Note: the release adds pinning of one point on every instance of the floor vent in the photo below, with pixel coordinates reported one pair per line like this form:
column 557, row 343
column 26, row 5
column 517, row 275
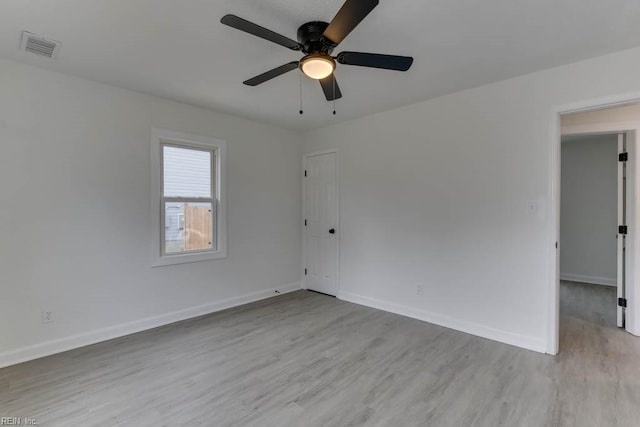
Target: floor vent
column 39, row 45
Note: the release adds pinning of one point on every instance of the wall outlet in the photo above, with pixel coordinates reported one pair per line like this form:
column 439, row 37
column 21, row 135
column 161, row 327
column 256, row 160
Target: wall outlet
column 47, row 316
column 419, row 290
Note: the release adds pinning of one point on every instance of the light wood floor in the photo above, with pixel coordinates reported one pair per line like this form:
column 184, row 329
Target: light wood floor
column 306, row 359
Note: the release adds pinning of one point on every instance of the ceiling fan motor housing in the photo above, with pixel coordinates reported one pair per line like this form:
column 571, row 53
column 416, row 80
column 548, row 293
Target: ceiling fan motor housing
column 310, row 37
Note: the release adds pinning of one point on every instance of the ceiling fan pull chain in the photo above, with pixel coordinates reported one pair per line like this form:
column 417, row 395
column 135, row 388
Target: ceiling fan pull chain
column 334, row 94
column 301, row 111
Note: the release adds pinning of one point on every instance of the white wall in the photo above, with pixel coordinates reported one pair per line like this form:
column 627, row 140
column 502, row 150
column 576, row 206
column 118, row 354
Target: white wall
column 589, row 217
column 75, row 213
column 455, row 194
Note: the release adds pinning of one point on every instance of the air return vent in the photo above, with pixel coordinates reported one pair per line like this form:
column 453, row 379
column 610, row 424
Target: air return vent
column 39, row 45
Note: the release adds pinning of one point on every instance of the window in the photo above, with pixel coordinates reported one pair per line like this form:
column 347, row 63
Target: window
column 189, row 203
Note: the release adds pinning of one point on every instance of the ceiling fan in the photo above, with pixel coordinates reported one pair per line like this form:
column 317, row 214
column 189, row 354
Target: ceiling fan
column 317, row 40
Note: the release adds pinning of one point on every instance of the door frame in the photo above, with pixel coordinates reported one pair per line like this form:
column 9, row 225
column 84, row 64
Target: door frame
column 305, row 158
column 623, row 192
column 633, row 169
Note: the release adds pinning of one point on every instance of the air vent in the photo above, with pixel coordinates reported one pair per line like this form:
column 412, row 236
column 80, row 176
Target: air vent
column 39, row 45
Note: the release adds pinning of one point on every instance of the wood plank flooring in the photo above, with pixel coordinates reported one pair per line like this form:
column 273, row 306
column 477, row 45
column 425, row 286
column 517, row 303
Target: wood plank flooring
column 305, row 359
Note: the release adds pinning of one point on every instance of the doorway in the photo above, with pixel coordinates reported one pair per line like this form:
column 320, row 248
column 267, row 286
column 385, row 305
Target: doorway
column 320, row 210
column 620, row 116
column 593, row 200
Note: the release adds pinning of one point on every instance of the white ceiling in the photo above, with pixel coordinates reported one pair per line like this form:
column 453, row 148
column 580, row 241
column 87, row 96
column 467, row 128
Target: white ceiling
column 179, row 49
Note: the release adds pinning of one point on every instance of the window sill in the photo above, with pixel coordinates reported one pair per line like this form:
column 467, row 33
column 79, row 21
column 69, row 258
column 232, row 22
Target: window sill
column 188, row 258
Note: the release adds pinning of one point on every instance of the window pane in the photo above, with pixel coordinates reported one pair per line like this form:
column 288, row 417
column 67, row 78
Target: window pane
column 188, row 227
column 187, row 172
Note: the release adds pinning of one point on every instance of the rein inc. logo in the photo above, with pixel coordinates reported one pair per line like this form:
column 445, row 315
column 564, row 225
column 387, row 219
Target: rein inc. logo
column 18, row 421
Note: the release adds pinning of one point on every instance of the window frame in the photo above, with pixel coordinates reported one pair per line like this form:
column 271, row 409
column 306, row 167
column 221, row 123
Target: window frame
column 218, row 148
column 180, row 199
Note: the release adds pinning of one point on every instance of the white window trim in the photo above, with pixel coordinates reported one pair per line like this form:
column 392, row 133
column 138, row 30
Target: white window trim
column 163, row 136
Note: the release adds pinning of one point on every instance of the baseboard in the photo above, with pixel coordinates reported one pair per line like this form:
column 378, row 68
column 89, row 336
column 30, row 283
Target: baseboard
column 589, row 279
column 523, row 341
column 48, row 348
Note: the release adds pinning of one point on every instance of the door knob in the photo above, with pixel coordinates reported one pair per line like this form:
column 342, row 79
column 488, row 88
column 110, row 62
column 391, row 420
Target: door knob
column 332, row 231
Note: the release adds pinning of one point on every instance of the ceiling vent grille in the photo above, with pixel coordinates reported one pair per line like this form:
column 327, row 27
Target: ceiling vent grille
column 39, row 45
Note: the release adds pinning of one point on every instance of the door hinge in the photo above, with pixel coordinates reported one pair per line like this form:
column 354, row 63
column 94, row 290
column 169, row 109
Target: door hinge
column 305, row 222
column 622, row 302
column 556, row 245
column 622, row 229
column 305, row 271
column 623, row 157
column 305, row 173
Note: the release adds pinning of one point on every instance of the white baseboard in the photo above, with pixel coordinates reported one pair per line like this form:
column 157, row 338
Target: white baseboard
column 48, row 348
column 607, row 281
column 523, row 341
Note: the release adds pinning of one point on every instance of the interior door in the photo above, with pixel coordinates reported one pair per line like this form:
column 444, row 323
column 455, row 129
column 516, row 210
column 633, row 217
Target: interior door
column 321, row 228
column 622, row 220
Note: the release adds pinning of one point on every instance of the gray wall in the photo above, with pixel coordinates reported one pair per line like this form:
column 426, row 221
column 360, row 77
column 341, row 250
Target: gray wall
column 75, row 212
column 589, row 209
column 474, row 231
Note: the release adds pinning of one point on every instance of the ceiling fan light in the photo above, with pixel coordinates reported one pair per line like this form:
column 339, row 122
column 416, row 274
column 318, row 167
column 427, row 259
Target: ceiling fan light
column 317, row 66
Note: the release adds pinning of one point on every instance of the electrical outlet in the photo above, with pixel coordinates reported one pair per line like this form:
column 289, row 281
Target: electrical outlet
column 419, row 290
column 47, row 316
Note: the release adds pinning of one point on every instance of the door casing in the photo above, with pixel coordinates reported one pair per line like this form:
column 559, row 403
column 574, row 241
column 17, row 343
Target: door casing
column 633, row 238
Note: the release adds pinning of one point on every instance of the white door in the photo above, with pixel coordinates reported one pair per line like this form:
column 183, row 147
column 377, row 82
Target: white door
column 321, row 227
column 622, row 220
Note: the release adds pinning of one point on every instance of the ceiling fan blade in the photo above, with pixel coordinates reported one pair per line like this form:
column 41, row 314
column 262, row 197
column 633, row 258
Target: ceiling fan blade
column 376, row 60
column 347, row 18
column 251, row 28
column 331, row 88
column 278, row 71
